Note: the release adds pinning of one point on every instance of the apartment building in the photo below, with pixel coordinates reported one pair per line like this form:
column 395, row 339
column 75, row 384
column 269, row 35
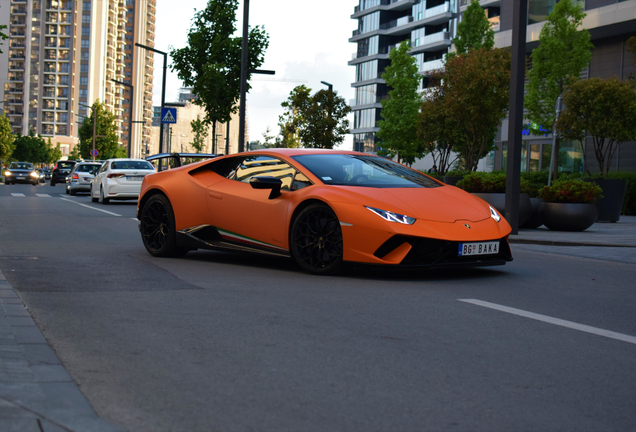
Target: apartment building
column 430, row 26
column 64, row 54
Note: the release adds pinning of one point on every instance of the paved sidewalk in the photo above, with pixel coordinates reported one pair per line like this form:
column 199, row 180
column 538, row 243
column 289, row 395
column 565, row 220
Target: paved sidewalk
column 36, row 392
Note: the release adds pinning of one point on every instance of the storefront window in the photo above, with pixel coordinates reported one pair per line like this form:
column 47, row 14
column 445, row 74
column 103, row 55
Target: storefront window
column 534, row 158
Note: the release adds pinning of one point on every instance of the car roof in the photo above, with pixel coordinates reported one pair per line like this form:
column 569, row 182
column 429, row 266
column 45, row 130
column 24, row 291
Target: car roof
column 299, row 151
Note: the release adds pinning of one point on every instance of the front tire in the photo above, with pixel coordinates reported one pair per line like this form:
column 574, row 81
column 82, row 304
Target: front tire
column 101, row 196
column 52, row 182
column 158, row 229
column 316, row 240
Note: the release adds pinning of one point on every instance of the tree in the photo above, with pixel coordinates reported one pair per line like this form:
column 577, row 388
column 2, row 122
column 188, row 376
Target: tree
column 438, row 131
column 269, row 140
column 211, row 63
column 3, row 36
column 602, row 109
column 55, row 153
column 398, row 129
column 474, row 31
column 6, row 139
column 200, row 130
column 474, row 89
column 31, row 148
column 106, row 140
column 562, row 54
column 74, row 155
column 317, row 121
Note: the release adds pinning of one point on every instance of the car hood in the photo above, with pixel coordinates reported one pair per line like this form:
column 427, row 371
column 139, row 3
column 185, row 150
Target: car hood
column 440, row 204
column 20, row 170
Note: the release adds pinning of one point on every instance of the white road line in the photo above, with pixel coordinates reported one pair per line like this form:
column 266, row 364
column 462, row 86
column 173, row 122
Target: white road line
column 90, row 207
column 135, row 219
column 43, row 195
column 17, row 194
column 555, row 321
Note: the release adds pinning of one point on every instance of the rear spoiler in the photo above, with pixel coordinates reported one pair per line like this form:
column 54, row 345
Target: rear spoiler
column 176, row 157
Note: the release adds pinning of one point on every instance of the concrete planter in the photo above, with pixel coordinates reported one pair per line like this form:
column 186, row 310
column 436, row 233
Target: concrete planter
column 534, row 221
column 498, row 201
column 609, row 207
column 568, row 216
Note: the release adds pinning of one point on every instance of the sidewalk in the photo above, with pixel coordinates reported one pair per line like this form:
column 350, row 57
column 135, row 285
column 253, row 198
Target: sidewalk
column 36, row 392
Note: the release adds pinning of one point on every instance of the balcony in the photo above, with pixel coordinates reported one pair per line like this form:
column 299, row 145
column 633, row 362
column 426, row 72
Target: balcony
column 430, row 41
column 431, row 65
column 495, row 23
column 18, row 10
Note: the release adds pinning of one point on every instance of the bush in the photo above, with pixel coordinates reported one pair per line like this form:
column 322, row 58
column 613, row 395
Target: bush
column 457, row 173
column 571, row 191
column 492, row 182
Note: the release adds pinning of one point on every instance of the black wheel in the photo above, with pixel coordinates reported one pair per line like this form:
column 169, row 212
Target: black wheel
column 101, row 196
column 52, row 182
column 157, row 228
column 72, row 192
column 68, row 191
column 316, row 240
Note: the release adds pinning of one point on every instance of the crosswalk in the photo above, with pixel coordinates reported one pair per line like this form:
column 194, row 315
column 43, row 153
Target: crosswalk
column 37, row 195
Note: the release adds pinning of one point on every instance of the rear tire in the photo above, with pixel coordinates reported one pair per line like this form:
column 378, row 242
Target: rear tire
column 101, row 196
column 315, row 240
column 158, row 230
column 72, row 192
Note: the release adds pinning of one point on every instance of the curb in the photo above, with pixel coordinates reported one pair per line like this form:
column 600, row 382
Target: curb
column 36, row 391
column 563, row 243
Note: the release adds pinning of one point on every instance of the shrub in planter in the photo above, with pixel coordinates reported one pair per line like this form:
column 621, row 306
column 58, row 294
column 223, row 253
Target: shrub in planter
column 569, row 205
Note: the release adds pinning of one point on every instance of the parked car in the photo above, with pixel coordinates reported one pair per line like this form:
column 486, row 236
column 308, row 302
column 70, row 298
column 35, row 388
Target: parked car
column 119, row 179
column 47, row 173
column 81, row 176
column 21, row 172
column 41, row 175
column 61, row 171
column 321, row 208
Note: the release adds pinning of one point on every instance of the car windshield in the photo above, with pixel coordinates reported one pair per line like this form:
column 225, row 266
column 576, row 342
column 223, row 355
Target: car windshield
column 88, row 168
column 20, row 165
column 127, row 164
column 65, row 165
column 361, row 170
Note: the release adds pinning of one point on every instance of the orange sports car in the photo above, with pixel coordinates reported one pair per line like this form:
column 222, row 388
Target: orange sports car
column 320, row 207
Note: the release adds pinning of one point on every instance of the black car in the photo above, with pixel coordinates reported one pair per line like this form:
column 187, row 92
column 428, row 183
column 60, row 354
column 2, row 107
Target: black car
column 61, row 170
column 21, row 172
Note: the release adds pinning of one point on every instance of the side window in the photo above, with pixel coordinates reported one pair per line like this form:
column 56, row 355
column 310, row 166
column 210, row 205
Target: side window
column 265, row 166
column 300, row 181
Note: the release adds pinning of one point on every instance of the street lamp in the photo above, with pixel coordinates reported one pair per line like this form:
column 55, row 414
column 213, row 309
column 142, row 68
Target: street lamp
column 163, row 86
column 130, row 114
column 328, row 85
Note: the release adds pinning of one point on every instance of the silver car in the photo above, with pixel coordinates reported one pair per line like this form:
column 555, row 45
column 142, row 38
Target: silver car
column 80, row 177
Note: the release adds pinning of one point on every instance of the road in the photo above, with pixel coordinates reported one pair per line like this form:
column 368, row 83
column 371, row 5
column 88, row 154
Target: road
column 222, row 342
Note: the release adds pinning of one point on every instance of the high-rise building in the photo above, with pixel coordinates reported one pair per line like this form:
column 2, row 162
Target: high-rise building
column 64, row 54
column 430, row 26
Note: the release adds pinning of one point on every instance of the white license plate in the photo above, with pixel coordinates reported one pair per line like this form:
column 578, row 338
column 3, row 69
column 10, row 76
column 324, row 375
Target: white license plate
column 481, row 248
column 135, row 178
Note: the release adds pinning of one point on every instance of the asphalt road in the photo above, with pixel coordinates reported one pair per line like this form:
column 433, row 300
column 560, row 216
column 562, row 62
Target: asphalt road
column 222, row 342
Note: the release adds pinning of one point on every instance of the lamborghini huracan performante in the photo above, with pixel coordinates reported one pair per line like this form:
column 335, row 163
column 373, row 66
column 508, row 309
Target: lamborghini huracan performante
column 320, row 207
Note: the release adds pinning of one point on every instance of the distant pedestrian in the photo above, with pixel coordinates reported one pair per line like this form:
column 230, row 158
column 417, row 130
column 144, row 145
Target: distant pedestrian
column 433, row 170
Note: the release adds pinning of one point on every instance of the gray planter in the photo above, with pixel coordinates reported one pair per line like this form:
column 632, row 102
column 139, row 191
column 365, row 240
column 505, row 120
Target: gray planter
column 498, row 201
column 609, row 207
column 534, row 221
column 568, row 216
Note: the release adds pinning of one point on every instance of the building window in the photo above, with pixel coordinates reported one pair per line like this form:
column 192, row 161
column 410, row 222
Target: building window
column 85, row 43
column 367, row 70
column 83, row 93
column 84, row 68
column 47, row 129
column 86, row 31
column 83, row 80
column 86, row 18
column 366, row 94
column 84, row 55
column 62, row 79
column 364, row 118
column 61, row 130
column 87, row 6
column 63, row 67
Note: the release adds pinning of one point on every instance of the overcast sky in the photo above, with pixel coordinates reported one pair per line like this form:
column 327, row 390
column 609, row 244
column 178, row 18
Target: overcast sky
column 308, row 44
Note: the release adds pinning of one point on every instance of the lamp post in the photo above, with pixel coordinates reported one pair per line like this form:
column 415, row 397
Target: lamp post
column 163, row 86
column 330, row 87
column 130, row 114
column 141, row 142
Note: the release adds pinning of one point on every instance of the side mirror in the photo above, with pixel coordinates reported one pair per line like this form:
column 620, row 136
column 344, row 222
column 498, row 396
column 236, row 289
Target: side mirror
column 267, row 182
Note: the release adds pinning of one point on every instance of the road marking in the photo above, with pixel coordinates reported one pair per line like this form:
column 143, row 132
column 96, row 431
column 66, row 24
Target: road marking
column 555, row 321
column 43, row 195
column 91, row 207
column 17, row 194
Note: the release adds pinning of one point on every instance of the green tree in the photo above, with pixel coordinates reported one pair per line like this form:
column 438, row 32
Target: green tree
column 106, row 141
column 31, row 148
column 74, row 155
column 474, row 31
column 438, row 130
column 211, row 62
column 398, row 129
column 562, row 54
column 55, row 153
column 200, row 130
column 474, row 89
column 269, row 140
column 317, row 121
column 3, row 36
column 602, row 109
column 6, row 139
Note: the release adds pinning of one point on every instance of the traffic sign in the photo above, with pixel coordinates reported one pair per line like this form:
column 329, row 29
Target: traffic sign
column 94, row 152
column 168, row 115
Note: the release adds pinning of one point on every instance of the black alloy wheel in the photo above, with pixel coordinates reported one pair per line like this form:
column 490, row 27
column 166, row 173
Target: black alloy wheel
column 316, row 240
column 157, row 227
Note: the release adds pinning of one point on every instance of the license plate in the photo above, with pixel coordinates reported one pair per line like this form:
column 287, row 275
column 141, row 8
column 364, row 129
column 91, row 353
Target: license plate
column 20, row 176
column 481, row 248
column 135, row 178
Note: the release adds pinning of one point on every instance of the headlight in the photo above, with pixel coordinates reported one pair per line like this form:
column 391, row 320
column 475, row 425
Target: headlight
column 494, row 214
column 7, row 172
column 34, row 174
column 393, row 217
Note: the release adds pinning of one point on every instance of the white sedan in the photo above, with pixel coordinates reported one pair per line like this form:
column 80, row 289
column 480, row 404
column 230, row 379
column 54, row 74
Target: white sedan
column 119, row 179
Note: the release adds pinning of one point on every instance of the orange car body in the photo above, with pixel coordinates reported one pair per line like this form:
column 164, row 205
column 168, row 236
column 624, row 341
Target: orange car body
column 246, row 216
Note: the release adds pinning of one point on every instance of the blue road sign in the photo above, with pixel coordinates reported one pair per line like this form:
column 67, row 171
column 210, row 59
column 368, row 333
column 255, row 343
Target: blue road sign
column 168, row 115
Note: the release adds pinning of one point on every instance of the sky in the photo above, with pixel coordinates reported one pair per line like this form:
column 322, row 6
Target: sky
column 308, row 43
